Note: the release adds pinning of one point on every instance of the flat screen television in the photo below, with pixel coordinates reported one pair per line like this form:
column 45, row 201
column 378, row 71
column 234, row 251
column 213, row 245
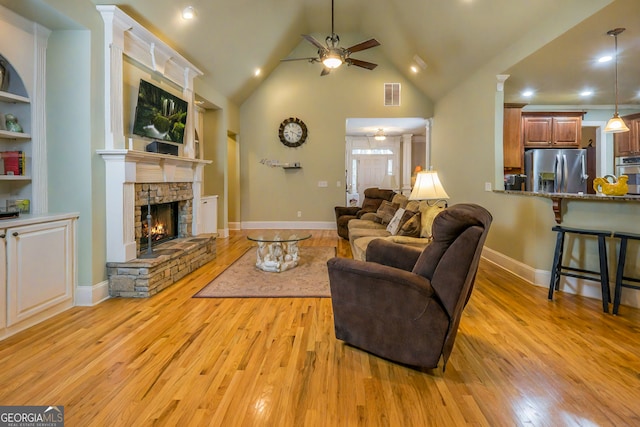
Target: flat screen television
column 159, row 115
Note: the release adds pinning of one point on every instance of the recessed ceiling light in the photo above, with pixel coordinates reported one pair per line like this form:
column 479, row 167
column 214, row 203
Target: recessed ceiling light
column 257, row 72
column 527, row 93
column 188, row 12
column 586, row 93
column 605, row 58
column 414, row 69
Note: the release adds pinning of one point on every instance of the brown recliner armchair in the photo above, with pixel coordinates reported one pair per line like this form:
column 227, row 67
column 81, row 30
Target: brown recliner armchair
column 373, row 198
column 405, row 304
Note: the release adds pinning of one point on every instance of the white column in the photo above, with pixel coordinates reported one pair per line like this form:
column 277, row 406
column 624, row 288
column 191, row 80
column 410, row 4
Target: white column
column 120, row 199
column 39, row 183
column 405, row 185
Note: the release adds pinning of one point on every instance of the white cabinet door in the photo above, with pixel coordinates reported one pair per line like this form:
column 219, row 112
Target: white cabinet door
column 3, row 279
column 209, row 214
column 39, row 268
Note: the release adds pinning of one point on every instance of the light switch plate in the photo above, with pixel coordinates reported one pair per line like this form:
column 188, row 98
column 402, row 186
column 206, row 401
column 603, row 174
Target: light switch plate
column 487, row 186
column 323, row 184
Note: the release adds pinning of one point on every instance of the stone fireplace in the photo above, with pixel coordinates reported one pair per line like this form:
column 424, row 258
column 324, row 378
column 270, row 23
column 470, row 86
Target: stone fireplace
column 171, row 212
column 136, row 179
column 158, row 224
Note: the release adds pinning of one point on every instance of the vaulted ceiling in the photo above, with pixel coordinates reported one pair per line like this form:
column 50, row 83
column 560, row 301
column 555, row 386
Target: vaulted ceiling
column 228, row 40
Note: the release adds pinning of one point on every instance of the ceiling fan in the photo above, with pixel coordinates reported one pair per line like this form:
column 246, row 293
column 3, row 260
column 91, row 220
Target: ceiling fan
column 331, row 55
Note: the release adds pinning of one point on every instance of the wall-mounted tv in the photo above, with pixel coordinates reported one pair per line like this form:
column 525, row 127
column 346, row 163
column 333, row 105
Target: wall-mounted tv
column 159, row 114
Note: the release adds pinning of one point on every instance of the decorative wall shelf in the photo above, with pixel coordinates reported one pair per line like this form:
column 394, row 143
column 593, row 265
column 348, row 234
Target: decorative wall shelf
column 278, row 164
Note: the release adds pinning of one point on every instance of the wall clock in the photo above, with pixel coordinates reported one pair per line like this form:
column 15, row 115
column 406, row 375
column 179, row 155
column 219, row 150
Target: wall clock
column 292, row 132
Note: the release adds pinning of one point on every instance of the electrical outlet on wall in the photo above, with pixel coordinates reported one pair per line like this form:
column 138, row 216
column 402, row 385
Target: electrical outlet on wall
column 299, row 214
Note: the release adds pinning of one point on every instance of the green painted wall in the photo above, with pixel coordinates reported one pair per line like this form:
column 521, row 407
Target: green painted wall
column 467, row 147
column 295, row 89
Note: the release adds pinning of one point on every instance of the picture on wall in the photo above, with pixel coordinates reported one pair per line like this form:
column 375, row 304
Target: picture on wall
column 159, row 114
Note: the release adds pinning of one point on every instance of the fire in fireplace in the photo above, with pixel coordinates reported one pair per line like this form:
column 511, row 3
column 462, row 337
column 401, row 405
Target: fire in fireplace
column 163, row 225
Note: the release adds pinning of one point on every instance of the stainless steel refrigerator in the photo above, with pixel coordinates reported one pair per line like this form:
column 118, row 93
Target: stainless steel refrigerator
column 556, row 170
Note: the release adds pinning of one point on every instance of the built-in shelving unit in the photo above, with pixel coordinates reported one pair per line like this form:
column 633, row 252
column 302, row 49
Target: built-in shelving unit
column 15, row 186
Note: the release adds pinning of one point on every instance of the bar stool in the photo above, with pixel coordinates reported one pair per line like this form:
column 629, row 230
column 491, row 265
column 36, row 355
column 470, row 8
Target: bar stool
column 559, row 269
column 622, row 281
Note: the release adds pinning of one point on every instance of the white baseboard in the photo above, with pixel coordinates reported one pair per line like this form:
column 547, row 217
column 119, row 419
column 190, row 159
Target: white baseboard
column 570, row 285
column 289, row 225
column 92, row 295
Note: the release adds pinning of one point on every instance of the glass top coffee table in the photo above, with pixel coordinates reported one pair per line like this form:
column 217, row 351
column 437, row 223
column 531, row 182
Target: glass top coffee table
column 277, row 249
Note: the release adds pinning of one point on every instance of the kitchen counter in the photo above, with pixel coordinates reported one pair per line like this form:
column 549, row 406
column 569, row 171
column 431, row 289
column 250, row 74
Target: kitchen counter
column 557, row 199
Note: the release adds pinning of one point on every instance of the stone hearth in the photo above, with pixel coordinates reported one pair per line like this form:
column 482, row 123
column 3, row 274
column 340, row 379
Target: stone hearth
column 144, row 277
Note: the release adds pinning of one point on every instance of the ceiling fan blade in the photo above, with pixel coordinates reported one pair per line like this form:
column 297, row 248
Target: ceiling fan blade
column 325, row 71
column 364, row 45
column 359, row 63
column 314, row 42
column 310, row 59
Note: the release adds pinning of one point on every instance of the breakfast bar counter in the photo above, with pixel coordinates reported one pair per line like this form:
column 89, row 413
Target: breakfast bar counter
column 557, row 199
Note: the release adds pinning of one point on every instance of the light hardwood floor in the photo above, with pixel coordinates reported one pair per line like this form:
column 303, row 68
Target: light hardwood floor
column 180, row 361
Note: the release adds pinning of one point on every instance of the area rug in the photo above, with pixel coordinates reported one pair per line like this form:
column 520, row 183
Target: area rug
column 243, row 279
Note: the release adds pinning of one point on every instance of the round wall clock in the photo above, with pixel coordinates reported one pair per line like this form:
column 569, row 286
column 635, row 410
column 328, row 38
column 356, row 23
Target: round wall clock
column 292, row 132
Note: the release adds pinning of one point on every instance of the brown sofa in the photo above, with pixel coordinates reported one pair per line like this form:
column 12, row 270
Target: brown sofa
column 404, row 304
column 371, row 226
column 373, row 198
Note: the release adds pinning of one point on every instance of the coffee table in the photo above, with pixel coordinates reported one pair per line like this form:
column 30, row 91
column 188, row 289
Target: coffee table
column 277, row 249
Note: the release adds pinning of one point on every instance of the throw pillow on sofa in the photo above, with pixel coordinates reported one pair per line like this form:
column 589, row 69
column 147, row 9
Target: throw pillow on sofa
column 386, row 211
column 399, row 220
column 411, row 228
column 427, row 215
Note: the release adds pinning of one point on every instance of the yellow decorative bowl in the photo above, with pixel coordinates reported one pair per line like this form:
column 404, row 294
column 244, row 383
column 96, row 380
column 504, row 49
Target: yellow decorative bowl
column 609, row 185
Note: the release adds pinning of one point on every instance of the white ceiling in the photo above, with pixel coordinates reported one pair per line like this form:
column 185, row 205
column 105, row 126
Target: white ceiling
column 229, row 39
column 562, row 69
column 390, row 126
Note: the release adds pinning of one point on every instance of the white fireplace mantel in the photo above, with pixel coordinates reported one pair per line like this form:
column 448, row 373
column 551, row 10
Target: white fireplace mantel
column 124, row 169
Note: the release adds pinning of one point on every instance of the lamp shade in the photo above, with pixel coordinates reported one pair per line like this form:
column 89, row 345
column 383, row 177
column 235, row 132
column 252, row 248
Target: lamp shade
column 389, row 182
column 616, row 125
column 428, row 187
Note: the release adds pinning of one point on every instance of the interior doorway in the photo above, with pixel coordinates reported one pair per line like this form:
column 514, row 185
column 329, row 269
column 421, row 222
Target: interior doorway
column 383, row 153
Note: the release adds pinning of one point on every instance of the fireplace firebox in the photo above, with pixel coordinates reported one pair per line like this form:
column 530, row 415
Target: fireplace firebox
column 163, row 226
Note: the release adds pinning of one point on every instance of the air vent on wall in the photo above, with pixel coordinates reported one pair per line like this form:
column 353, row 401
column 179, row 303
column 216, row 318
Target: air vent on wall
column 392, row 94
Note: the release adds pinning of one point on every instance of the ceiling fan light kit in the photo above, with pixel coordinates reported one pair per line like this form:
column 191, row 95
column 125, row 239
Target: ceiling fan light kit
column 332, row 56
column 616, row 124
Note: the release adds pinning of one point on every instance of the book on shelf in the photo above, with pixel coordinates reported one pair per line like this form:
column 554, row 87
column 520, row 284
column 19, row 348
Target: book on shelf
column 13, row 162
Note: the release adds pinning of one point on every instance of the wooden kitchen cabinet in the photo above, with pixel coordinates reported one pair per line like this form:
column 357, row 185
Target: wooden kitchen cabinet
column 628, row 143
column 556, row 130
column 512, row 137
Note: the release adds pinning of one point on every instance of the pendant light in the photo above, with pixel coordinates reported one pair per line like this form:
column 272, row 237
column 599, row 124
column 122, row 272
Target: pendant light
column 616, row 124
